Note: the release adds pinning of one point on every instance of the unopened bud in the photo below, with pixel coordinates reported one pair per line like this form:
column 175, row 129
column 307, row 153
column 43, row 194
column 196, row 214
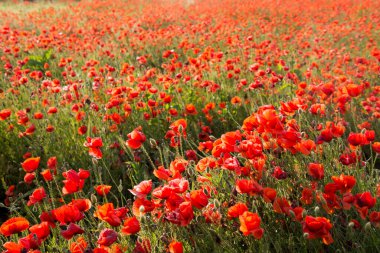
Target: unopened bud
column 306, row 235
column 142, row 209
column 213, row 138
column 351, row 224
column 316, row 210
column 94, row 161
column 93, row 199
column 292, row 214
column 153, row 143
column 367, row 226
column 120, row 187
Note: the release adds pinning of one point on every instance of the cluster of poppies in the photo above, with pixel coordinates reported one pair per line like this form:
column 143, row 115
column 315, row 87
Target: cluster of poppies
column 154, row 126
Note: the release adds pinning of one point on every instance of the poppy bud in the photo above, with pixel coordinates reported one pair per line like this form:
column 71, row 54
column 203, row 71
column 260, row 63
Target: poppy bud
column 153, row 143
column 120, row 187
column 93, row 199
column 316, row 210
column 367, row 226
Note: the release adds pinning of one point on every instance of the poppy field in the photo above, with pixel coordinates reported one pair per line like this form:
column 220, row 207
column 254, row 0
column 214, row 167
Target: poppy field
column 190, row 126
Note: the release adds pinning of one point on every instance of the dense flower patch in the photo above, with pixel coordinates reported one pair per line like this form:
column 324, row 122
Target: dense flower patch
column 190, row 126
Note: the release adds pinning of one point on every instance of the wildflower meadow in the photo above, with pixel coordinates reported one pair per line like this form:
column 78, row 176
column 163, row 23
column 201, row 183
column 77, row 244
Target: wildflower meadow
column 189, row 126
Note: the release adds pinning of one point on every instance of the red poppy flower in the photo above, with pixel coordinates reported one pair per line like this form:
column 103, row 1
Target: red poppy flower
column 12, row 247
column 79, row 246
column 191, row 110
column 5, row 113
column 52, row 110
column 136, row 138
column 363, row 202
column 250, row 224
column 175, row 247
column 178, row 166
column 82, row 130
column 236, row 210
column 318, row 227
column 94, row 145
column 179, row 185
column 107, row 237
column 102, row 189
column 307, row 196
column 14, row 226
column 354, row 90
column 198, row 198
column 49, row 218
column 316, row 170
column 347, row 159
column 29, row 177
column 248, row 186
column 109, row 214
column 142, row 206
column 376, row 147
column 82, row 204
column 142, row 189
column 279, row 174
column 67, row 214
column 162, row 173
column 31, row 242
column 131, row 226
column 356, row 139
column 37, row 196
column 269, row 194
column 143, row 246
column 52, row 163
column 374, row 217
column 186, row 213
column 74, row 180
column 46, row 174
column 71, row 230
column 179, row 127
column 281, row 205
column 31, row 164
column 344, row 183
column 42, row 230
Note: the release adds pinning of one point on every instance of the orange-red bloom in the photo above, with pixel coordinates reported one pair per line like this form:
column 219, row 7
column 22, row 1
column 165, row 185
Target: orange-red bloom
column 102, row 189
column 37, row 196
column 31, row 164
column 136, row 138
column 107, row 237
column 74, row 180
column 94, row 145
column 14, row 226
column 250, row 224
column 236, row 210
column 42, row 230
column 198, row 198
column 109, row 214
column 131, row 226
column 175, row 247
column 363, row 202
column 79, row 246
column 318, row 227
column 142, row 189
column 316, row 170
column 5, row 113
column 67, row 214
column 71, row 230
